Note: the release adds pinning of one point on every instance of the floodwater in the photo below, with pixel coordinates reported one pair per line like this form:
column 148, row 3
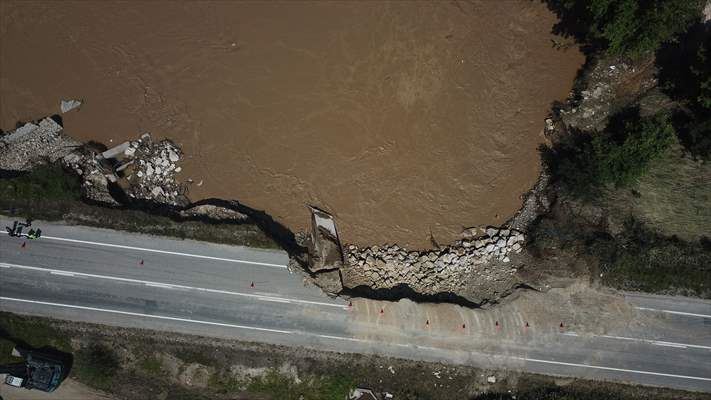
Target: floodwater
column 404, row 119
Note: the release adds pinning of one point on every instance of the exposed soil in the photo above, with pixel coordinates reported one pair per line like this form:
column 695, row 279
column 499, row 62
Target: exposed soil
column 401, row 118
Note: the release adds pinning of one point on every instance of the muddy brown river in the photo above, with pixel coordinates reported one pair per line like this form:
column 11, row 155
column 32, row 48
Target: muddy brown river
column 404, row 119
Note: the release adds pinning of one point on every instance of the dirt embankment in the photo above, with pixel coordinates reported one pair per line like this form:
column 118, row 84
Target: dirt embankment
column 403, row 119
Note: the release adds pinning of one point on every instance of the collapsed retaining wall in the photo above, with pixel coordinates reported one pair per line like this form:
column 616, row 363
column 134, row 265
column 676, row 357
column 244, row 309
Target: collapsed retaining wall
column 479, row 269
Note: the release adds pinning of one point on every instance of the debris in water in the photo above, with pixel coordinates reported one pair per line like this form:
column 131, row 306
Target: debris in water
column 69, row 105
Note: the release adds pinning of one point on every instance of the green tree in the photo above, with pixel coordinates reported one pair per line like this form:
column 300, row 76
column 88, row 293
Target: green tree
column 625, row 27
column 617, row 156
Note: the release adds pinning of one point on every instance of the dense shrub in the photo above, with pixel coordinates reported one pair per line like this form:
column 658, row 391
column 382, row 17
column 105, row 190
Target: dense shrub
column 625, row 27
column 96, row 365
column 617, row 156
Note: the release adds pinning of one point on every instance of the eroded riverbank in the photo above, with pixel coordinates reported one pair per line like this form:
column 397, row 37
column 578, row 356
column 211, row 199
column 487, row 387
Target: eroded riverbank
column 403, row 119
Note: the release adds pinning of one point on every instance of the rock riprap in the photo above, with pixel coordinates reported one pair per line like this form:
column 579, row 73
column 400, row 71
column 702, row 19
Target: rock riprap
column 479, row 268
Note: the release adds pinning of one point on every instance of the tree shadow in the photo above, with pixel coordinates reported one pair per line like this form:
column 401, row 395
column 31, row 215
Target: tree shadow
column 684, row 66
column 573, row 22
column 677, row 60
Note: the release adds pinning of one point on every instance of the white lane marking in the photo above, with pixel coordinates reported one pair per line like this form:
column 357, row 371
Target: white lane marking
column 62, row 273
column 174, row 253
column 160, row 285
column 341, row 338
column 659, row 342
column 649, row 341
column 135, row 314
column 669, row 345
column 675, row 312
column 428, row 348
column 176, row 286
column 632, row 371
column 4, row 266
column 275, row 299
column 195, row 321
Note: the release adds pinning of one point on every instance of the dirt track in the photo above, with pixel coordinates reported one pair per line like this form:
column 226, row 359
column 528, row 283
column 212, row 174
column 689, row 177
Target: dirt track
column 401, row 118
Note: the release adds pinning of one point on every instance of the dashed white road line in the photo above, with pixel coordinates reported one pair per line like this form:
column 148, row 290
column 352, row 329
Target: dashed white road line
column 135, row 314
column 688, row 314
column 659, row 342
column 350, row 339
column 174, row 253
column 174, row 286
column 287, row 332
column 648, row 341
column 160, row 285
column 62, row 273
column 631, row 371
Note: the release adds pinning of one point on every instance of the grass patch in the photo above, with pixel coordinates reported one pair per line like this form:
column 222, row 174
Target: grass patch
column 649, row 262
column 673, row 198
column 281, row 387
column 226, row 384
column 194, row 356
column 638, row 258
column 48, row 182
column 52, row 194
column 539, row 387
column 34, row 332
column 151, row 365
column 96, row 366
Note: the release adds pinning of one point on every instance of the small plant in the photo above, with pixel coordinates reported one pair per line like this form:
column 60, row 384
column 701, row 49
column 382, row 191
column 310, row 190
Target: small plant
column 151, row 365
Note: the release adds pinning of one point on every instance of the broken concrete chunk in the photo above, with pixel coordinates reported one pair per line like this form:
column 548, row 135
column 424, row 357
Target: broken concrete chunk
column 325, row 250
column 69, row 105
column 116, row 150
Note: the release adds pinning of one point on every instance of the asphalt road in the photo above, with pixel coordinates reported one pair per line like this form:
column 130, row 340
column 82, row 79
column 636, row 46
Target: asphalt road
column 131, row 280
